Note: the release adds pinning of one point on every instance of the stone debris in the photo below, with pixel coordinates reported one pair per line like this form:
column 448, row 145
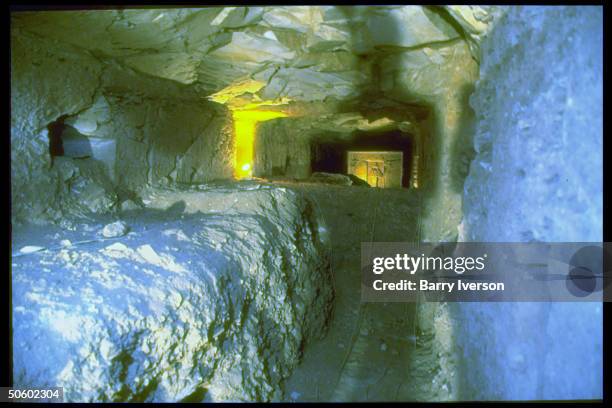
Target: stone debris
column 357, row 181
column 28, row 249
column 115, row 229
column 149, row 254
column 117, row 247
column 331, row 178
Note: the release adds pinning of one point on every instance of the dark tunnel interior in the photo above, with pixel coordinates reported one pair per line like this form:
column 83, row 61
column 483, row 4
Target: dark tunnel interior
column 55, row 130
column 331, row 156
column 211, row 203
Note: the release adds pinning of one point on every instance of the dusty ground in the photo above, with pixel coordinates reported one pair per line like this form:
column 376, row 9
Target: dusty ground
column 368, row 353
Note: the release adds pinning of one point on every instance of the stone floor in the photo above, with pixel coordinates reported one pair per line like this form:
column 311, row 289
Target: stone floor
column 368, row 350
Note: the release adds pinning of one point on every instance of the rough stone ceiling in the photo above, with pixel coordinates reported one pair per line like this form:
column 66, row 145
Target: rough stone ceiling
column 303, row 53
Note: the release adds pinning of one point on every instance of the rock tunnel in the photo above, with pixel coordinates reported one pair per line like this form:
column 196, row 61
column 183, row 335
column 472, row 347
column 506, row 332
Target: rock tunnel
column 190, row 188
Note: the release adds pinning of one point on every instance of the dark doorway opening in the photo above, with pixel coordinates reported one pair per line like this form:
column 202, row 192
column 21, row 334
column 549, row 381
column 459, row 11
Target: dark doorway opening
column 65, row 140
column 54, row 133
column 329, row 152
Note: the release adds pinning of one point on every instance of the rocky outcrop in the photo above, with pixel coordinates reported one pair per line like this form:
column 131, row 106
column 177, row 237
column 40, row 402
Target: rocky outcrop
column 192, row 306
column 331, row 178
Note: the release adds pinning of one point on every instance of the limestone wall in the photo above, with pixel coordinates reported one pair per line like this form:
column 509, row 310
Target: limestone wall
column 537, row 175
column 163, row 132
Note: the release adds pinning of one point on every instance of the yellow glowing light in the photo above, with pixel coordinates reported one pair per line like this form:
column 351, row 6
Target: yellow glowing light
column 245, row 127
column 242, row 99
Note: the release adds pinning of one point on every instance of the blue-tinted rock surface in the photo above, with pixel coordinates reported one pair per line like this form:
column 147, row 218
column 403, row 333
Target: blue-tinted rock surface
column 537, row 175
column 214, row 306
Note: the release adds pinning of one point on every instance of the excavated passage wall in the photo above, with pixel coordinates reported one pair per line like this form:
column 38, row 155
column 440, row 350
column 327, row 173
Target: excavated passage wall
column 213, row 303
column 537, row 175
column 282, row 148
column 162, row 131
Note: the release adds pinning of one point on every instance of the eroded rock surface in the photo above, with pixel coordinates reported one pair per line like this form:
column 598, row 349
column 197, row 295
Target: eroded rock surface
column 302, row 52
column 209, row 306
column 139, row 82
column 536, row 176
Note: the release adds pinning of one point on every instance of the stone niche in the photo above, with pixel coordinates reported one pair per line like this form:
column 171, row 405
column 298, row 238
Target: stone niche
column 78, row 146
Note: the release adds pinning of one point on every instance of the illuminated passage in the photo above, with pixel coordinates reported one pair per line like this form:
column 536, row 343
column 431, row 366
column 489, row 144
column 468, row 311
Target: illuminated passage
column 245, row 126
